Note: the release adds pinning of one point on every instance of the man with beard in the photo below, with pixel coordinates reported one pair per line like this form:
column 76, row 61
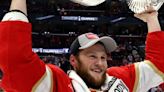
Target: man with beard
column 24, row 71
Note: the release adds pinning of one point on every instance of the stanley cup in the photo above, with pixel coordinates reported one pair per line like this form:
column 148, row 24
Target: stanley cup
column 140, row 6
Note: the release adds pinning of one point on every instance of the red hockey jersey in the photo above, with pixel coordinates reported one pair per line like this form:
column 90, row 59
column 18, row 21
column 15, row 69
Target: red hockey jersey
column 24, row 71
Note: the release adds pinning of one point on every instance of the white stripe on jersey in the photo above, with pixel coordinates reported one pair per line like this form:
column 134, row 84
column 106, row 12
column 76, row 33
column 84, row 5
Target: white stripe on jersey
column 45, row 83
column 147, row 76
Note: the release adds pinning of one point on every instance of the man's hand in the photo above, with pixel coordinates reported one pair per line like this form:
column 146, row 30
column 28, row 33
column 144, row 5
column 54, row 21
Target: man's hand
column 151, row 18
column 148, row 15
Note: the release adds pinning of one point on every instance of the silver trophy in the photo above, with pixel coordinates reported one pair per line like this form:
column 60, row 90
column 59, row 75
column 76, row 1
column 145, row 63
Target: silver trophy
column 88, row 2
column 140, row 6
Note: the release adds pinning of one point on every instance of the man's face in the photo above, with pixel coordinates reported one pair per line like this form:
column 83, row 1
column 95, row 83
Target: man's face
column 92, row 65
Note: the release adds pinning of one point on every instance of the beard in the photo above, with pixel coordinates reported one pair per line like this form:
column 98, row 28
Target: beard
column 88, row 78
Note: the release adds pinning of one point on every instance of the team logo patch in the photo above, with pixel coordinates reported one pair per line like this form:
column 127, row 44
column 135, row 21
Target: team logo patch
column 91, row 36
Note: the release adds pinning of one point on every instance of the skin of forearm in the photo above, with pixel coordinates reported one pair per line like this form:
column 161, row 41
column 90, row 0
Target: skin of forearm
column 153, row 24
column 19, row 5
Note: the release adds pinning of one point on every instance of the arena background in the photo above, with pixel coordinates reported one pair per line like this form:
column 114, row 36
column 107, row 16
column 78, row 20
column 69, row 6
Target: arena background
column 56, row 23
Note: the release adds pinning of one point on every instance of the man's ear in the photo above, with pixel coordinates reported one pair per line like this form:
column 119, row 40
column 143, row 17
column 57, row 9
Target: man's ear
column 73, row 61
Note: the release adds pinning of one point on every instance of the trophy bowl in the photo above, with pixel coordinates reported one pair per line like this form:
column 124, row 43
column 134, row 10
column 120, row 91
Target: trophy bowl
column 140, row 6
column 88, row 2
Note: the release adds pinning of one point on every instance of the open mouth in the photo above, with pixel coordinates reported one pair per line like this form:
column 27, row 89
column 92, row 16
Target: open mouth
column 97, row 70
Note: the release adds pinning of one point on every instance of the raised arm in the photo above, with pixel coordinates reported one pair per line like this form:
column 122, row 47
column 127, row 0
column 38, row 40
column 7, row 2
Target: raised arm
column 154, row 42
column 141, row 76
column 150, row 73
column 22, row 68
